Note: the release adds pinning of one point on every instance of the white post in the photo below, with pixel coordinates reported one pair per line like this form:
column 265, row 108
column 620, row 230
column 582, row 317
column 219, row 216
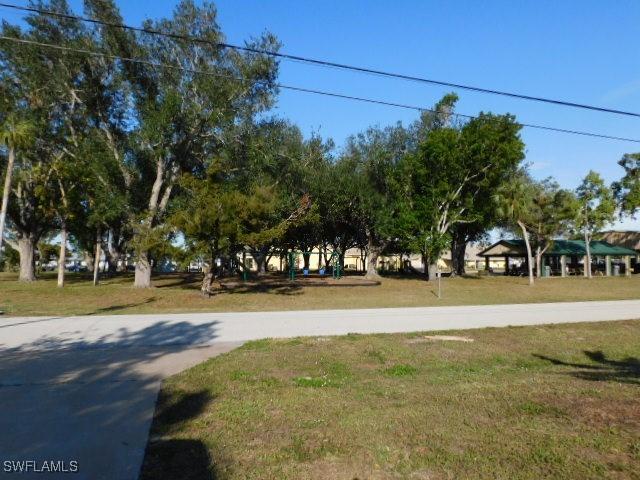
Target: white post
column 563, row 265
column 627, row 266
column 607, row 265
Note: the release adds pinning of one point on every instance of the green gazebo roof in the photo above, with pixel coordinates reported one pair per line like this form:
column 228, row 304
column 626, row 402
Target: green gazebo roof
column 559, row 247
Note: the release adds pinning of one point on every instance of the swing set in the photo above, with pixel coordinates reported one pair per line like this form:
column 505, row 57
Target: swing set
column 334, row 262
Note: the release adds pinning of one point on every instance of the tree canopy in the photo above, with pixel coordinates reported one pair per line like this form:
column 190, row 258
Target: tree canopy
column 180, row 154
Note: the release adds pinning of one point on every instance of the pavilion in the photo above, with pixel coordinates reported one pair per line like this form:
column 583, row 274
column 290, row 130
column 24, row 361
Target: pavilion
column 564, row 257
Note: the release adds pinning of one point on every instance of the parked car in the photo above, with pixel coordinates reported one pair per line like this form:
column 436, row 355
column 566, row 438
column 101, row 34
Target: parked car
column 76, row 268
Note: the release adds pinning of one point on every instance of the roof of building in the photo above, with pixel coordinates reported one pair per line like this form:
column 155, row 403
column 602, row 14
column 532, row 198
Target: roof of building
column 622, row 238
column 559, row 247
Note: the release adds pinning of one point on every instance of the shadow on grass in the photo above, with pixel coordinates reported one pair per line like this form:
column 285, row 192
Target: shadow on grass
column 115, row 308
column 282, row 285
column 188, row 281
column 279, row 288
column 602, row 369
column 177, row 458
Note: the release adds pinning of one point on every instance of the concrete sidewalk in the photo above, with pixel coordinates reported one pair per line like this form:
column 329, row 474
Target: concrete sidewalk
column 192, row 329
column 84, row 388
column 92, row 406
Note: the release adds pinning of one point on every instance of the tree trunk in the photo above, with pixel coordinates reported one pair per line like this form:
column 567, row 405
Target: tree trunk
column 306, row 257
column 261, row 261
column 207, row 280
column 587, row 267
column 538, row 262
column 106, row 265
column 525, row 235
column 112, row 254
column 114, row 261
column 326, row 256
column 122, row 264
column 5, row 194
column 373, row 252
column 433, row 270
column 143, row 271
column 88, row 260
column 96, row 260
column 458, row 250
column 62, row 258
column 26, row 249
column 262, row 266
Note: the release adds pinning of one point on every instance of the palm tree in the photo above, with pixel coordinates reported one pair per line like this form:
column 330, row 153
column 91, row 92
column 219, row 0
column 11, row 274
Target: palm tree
column 14, row 134
column 515, row 204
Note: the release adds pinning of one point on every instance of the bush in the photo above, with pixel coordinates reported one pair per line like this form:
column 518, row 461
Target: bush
column 9, row 259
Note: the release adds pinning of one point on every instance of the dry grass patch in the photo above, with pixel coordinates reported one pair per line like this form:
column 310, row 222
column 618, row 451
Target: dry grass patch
column 520, row 403
column 175, row 293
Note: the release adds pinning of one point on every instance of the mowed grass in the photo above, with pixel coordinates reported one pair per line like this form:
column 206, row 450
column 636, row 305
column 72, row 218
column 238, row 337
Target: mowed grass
column 180, row 293
column 518, row 403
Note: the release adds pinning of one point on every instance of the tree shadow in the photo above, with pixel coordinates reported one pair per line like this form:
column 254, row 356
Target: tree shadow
column 173, row 459
column 92, row 401
column 602, row 369
column 185, row 281
column 115, row 308
column 177, row 458
column 282, row 285
column 280, row 288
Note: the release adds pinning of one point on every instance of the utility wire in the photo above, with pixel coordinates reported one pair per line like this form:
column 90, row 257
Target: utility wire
column 325, row 63
column 295, row 88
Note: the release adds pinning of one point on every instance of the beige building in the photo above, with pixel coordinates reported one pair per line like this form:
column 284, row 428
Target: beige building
column 627, row 239
column 355, row 261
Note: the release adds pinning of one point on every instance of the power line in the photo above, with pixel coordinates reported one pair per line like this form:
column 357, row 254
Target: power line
column 326, row 63
column 296, row 88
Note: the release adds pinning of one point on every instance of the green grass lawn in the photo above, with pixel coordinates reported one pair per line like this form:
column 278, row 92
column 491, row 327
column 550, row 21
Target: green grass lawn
column 180, row 293
column 516, row 403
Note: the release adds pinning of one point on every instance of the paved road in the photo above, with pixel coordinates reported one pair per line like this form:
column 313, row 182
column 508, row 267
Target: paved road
column 84, row 388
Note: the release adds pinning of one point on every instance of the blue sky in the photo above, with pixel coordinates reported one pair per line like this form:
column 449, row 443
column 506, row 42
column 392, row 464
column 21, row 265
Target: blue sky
column 583, row 51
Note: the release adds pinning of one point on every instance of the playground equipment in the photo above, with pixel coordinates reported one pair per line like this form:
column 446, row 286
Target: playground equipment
column 334, row 262
column 293, row 262
column 336, row 268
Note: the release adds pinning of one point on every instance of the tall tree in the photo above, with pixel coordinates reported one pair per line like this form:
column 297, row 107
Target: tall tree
column 596, row 209
column 627, row 190
column 373, row 158
column 181, row 115
column 267, row 160
column 551, row 212
column 450, row 167
column 14, row 134
column 45, row 84
column 207, row 213
column 515, row 203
